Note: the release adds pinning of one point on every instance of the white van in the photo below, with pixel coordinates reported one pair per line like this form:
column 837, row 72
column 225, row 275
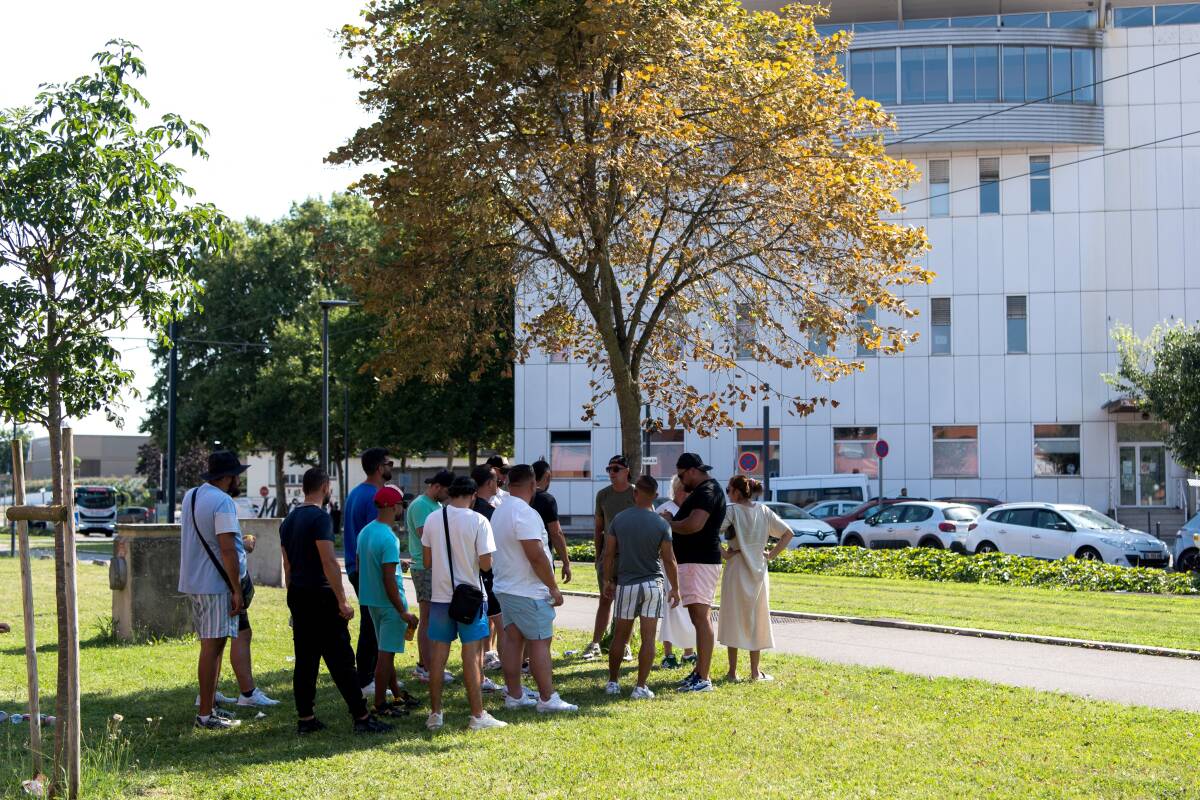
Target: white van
column 804, row 490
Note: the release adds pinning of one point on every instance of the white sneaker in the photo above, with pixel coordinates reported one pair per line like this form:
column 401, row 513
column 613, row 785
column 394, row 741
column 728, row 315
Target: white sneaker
column 488, row 685
column 555, row 704
column 591, row 651
column 531, row 693
column 258, row 698
column 434, row 721
column 447, row 677
column 369, row 691
column 421, row 674
column 485, row 721
column 491, row 661
column 612, row 688
column 641, row 693
column 524, row 701
column 628, row 655
column 220, row 700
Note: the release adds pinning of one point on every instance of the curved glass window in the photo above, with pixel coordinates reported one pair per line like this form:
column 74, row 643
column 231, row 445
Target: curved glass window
column 1133, row 17
column 1183, row 14
column 924, row 75
column 873, row 74
column 1023, row 20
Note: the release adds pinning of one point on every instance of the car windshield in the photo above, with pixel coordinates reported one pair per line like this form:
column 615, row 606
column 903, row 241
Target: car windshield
column 788, row 511
column 961, row 513
column 95, row 498
column 1090, row 520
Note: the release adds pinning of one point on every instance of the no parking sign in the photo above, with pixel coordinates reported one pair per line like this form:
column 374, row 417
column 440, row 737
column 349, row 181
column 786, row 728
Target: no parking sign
column 748, row 462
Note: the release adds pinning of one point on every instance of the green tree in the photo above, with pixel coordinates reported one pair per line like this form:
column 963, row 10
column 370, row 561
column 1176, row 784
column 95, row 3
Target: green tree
column 92, row 233
column 1159, row 373
column 665, row 184
column 23, row 436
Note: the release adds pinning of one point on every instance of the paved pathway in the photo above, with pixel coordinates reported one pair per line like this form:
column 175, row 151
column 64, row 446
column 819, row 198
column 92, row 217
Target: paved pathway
column 1122, row 677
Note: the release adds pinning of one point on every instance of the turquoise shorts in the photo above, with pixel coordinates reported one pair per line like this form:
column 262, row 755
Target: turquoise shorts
column 445, row 630
column 389, row 628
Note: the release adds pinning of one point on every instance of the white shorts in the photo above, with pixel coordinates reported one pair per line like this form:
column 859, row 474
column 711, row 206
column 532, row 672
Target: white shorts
column 210, row 616
column 640, row 600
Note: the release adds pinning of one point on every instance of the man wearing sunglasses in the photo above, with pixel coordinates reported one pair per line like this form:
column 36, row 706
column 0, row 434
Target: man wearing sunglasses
column 360, row 512
column 610, row 501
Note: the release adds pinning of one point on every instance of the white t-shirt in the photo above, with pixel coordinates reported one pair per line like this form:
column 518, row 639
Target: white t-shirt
column 498, row 498
column 215, row 513
column 470, row 538
column 513, row 522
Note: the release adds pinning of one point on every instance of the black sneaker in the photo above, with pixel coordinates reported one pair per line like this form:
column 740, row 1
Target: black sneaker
column 223, row 714
column 408, row 701
column 390, row 710
column 692, row 659
column 686, row 684
column 371, row 725
column 306, row 726
column 215, row 723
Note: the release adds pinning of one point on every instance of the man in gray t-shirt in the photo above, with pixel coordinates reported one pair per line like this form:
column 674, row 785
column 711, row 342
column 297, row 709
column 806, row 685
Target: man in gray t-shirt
column 637, row 551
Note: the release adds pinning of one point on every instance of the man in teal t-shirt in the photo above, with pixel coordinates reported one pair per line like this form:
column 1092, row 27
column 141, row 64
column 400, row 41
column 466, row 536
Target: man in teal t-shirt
column 436, row 492
column 382, row 592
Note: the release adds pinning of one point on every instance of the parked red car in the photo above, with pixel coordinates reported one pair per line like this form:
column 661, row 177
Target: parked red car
column 839, row 523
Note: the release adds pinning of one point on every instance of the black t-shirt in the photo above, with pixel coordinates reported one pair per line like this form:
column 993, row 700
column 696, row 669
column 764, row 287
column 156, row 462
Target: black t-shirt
column 483, row 507
column 299, row 534
column 704, row 546
column 546, row 506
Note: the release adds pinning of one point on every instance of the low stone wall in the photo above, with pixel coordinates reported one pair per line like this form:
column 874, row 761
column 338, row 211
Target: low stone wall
column 144, row 577
column 265, row 564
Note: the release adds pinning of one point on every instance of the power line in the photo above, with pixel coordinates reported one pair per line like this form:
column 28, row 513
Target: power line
column 1103, row 154
column 1007, row 109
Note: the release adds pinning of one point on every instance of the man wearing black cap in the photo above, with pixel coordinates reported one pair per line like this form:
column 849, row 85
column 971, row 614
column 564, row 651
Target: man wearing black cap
column 610, row 501
column 436, row 493
column 695, row 530
column 211, row 556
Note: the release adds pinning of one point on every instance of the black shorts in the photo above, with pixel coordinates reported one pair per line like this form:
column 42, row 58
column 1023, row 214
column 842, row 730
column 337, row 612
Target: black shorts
column 493, row 602
column 243, row 622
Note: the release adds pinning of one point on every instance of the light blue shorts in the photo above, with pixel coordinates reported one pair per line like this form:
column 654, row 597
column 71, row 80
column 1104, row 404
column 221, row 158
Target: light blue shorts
column 533, row 618
column 389, row 628
column 445, row 630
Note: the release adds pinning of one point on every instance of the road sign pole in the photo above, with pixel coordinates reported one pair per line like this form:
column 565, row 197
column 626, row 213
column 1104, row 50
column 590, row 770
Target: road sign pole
column 880, row 461
column 766, row 459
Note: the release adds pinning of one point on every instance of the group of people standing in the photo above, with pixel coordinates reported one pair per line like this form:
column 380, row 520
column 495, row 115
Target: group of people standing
column 482, row 542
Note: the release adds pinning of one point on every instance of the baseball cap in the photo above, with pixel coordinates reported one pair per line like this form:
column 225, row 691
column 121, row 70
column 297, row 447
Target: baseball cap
column 388, row 496
column 443, row 477
column 499, row 462
column 619, row 459
column 692, row 461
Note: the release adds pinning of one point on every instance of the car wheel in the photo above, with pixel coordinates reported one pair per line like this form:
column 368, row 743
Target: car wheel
column 930, row 542
column 986, row 547
column 957, row 547
column 1189, row 561
column 852, row 541
column 1089, row 554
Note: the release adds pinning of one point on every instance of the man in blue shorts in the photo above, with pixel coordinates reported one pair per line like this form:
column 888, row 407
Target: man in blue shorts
column 457, row 544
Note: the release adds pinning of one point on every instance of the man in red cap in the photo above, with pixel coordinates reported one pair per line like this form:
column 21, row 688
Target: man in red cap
column 381, row 592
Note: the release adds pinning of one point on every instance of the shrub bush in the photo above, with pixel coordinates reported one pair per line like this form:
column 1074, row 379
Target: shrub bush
column 928, row 564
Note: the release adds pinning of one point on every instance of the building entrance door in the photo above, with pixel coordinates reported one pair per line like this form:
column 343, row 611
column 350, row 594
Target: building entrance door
column 1143, row 474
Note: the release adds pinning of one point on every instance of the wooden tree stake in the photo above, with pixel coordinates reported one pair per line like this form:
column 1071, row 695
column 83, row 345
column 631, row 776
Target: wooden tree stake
column 31, row 665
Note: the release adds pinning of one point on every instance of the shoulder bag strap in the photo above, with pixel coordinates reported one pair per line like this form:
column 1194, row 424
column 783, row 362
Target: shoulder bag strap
column 449, row 554
column 215, row 562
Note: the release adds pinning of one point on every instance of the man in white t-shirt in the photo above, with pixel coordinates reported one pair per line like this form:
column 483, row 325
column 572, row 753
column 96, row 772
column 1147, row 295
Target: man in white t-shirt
column 524, row 583
column 470, row 546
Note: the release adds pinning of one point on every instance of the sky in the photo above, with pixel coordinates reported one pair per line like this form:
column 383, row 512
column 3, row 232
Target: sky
column 266, row 77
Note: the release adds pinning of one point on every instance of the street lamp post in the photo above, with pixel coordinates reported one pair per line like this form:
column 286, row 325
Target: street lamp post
column 326, row 305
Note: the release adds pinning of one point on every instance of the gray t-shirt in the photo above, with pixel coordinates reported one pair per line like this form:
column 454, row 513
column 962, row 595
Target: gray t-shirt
column 639, row 533
column 215, row 513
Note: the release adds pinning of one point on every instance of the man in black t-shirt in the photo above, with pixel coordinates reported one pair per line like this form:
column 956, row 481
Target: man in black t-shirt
column 547, row 508
column 319, row 609
column 696, row 539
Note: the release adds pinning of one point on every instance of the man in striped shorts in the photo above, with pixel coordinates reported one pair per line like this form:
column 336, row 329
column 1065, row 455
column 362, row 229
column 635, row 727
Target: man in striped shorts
column 637, row 550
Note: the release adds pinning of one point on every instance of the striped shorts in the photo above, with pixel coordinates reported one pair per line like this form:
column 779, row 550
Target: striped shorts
column 640, row 600
column 210, row 616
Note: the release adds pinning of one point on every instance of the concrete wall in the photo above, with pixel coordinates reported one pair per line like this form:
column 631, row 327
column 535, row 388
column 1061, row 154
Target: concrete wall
column 265, row 564
column 149, row 603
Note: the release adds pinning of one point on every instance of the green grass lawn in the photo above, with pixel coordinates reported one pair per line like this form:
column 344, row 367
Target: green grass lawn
column 39, row 541
column 820, row 731
column 1159, row 620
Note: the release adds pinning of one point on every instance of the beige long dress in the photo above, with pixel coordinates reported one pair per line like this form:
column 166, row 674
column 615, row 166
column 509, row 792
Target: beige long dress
column 745, row 618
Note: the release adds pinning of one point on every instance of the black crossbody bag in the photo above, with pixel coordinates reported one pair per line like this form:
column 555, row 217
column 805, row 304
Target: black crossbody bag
column 247, row 586
column 466, row 604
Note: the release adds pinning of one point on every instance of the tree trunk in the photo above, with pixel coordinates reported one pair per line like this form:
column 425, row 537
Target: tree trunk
column 473, row 453
column 451, row 448
column 280, row 486
column 629, row 407
column 54, row 429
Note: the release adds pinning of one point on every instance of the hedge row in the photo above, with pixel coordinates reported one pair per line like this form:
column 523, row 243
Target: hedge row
column 928, row 564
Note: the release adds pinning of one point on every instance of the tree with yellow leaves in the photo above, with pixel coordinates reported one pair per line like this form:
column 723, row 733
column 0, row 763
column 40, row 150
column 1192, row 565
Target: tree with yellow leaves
column 660, row 183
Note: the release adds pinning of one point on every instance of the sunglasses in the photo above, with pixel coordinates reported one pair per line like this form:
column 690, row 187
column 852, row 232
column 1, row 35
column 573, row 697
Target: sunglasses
column 615, row 468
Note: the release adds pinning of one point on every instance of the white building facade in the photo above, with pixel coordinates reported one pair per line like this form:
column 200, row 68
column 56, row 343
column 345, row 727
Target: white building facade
column 1050, row 223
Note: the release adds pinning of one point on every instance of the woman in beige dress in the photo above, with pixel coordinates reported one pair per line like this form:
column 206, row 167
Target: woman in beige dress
column 745, row 619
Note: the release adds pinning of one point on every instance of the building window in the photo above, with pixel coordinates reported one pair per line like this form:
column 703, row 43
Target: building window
column 818, row 345
column 866, row 323
column 1182, row 14
column 571, row 454
column 924, row 75
column 1134, row 17
column 939, row 324
column 873, row 74
column 749, row 459
column 989, row 185
column 1072, row 19
column 854, row 451
column 558, row 357
column 955, row 451
column 976, row 74
column 744, row 331
column 1039, row 183
column 1055, row 450
column 1083, row 75
column 667, row 447
column 1018, row 327
column 939, row 187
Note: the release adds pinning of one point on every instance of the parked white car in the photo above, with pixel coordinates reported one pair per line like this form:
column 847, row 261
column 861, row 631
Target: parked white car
column 1056, row 530
column 832, row 508
column 913, row 524
column 1185, row 551
column 806, row 530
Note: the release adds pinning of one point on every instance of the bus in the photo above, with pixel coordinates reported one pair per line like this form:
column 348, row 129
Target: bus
column 804, row 490
column 96, row 509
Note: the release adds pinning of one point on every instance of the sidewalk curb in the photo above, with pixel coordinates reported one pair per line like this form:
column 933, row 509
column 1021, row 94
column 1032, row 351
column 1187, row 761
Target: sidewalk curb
column 981, row 633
